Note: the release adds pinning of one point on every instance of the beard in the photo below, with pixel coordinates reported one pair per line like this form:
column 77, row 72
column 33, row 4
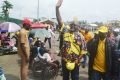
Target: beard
column 102, row 36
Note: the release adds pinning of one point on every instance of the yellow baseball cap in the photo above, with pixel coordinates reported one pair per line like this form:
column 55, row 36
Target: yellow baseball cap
column 103, row 29
column 70, row 66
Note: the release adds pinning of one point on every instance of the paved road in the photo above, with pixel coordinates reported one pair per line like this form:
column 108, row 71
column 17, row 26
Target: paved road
column 10, row 64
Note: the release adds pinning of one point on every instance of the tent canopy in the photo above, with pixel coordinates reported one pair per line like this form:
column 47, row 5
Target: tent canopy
column 38, row 25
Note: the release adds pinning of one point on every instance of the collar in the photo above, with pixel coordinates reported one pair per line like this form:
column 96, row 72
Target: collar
column 25, row 30
column 102, row 40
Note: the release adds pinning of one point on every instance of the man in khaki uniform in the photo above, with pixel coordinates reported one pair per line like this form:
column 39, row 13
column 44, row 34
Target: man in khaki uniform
column 24, row 48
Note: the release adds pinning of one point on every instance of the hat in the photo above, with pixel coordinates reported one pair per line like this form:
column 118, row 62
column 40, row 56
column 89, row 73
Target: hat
column 103, row 29
column 70, row 66
column 27, row 21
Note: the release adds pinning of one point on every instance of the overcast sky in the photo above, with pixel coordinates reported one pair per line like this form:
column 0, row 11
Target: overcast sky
column 91, row 10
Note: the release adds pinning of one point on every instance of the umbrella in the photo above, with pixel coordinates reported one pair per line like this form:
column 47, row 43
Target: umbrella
column 40, row 33
column 38, row 25
column 9, row 27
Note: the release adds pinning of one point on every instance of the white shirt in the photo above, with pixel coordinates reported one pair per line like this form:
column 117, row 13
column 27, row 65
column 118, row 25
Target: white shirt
column 49, row 33
column 45, row 56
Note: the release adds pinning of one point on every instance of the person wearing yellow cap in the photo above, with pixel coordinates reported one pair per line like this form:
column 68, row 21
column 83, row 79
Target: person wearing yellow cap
column 73, row 47
column 24, row 48
column 100, row 59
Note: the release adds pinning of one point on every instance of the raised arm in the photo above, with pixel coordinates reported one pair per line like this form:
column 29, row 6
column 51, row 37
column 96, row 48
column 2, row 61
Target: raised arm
column 58, row 16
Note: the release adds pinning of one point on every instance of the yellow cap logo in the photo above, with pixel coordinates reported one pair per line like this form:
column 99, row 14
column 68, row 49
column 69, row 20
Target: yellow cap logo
column 103, row 29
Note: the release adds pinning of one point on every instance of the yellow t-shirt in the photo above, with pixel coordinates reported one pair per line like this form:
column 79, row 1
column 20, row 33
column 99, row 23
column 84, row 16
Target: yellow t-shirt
column 23, row 38
column 99, row 61
column 88, row 36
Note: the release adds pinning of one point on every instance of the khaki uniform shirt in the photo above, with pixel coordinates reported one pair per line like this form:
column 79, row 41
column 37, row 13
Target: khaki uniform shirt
column 23, row 38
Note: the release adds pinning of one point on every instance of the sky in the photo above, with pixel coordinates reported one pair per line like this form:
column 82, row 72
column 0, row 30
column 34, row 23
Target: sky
column 90, row 10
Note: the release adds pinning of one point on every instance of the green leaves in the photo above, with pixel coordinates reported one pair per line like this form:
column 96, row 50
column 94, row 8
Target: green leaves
column 6, row 6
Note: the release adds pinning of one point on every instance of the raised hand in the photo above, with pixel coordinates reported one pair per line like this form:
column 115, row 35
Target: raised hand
column 58, row 16
column 59, row 3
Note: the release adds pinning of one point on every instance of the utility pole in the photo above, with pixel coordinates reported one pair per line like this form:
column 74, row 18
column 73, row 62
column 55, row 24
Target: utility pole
column 38, row 11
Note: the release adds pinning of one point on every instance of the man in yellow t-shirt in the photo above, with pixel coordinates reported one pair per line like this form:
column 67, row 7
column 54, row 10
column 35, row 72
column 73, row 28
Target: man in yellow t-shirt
column 100, row 61
column 24, row 48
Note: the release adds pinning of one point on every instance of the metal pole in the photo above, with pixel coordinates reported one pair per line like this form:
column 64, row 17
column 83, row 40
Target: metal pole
column 38, row 11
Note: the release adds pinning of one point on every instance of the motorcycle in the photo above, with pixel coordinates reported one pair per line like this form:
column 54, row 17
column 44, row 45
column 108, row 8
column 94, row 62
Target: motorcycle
column 6, row 49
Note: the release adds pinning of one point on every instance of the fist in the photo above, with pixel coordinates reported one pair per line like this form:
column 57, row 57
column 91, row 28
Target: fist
column 59, row 3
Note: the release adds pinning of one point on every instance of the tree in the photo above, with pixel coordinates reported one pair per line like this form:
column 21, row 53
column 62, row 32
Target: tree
column 99, row 23
column 83, row 23
column 6, row 6
column 35, row 20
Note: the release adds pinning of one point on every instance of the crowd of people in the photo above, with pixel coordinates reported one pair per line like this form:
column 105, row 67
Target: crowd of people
column 102, row 48
column 32, row 49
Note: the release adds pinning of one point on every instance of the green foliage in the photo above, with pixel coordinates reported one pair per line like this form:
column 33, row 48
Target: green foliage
column 4, row 16
column 35, row 20
column 17, row 21
column 6, row 6
column 99, row 23
column 2, row 19
column 83, row 23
